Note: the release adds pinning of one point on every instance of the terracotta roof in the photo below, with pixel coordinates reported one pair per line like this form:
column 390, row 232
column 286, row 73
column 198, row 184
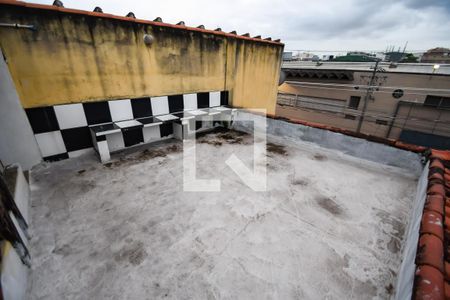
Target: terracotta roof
column 131, row 19
column 432, row 278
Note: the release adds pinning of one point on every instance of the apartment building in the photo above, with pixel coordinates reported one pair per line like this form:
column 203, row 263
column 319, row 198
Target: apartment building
column 406, row 102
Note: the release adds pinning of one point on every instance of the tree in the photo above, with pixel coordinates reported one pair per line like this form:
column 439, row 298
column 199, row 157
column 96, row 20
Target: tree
column 410, row 58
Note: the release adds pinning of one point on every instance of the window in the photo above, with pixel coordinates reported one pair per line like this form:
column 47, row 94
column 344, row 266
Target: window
column 350, row 117
column 354, row 102
column 381, row 122
column 437, row 101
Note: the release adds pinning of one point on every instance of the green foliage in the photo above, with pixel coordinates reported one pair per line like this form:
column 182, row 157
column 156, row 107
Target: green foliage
column 410, row 58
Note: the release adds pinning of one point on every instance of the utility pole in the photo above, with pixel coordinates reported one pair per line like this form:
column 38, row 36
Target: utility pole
column 366, row 97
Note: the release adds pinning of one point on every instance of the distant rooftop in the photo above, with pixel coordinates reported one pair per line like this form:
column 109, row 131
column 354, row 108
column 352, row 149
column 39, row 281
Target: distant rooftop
column 419, row 68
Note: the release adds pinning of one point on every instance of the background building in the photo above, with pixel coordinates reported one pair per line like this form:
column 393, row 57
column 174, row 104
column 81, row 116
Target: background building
column 437, row 55
column 407, row 102
column 356, row 57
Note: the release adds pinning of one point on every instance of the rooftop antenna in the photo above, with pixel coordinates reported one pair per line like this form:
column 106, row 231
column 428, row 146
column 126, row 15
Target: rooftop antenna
column 404, row 49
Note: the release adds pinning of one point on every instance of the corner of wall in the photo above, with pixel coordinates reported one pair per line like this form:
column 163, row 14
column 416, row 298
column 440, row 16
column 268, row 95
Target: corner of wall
column 17, row 142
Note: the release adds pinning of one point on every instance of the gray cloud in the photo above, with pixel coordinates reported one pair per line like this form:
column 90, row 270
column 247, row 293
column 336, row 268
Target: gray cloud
column 418, row 4
column 323, row 24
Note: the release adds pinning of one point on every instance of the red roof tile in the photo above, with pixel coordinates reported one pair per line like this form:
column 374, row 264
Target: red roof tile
column 436, row 189
column 436, row 203
column 432, row 224
column 441, row 154
column 430, row 252
column 437, row 163
column 432, row 279
column 429, row 283
column 447, row 290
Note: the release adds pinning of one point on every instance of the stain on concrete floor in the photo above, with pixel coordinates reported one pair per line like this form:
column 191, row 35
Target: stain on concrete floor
column 128, row 230
column 330, row 206
column 276, row 149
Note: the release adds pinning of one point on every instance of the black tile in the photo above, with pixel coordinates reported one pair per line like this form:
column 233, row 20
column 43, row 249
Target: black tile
column 97, row 112
column 101, row 138
column 202, row 100
column 142, row 107
column 176, row 103
column 57, row 157
column 166, row 129
column 198, row 125
column 148, row 120
column 132, row 136
column 224, row 98
column 77, row 138
column 42, row 119
column 104, row 127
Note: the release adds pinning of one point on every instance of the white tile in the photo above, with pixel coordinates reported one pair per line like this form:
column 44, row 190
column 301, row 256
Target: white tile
column 151, row 134
column 214, row 99
column 197, row 112
column 70, row 115
column 221, row 108
column 126, row 124
column 120, row 110
column 165, row 118
column 178, row 131
column 160, row 105
column 190, row 127
column 50, row 143
column 190, row 101
column 115, row 141
column 81, row 152
column 153, row 124
column 103, row 151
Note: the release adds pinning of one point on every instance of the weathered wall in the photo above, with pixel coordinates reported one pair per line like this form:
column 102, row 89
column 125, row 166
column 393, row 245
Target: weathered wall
column 77, row 57
column 17, row 142
column 253, row 70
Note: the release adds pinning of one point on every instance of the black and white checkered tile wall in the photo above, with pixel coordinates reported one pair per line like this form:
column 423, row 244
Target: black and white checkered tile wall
column 62, row 131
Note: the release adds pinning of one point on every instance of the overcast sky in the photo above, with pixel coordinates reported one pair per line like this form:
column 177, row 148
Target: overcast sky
column 313, row 24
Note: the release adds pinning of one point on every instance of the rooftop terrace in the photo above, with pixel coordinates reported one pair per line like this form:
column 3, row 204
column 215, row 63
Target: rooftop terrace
column 330, row 225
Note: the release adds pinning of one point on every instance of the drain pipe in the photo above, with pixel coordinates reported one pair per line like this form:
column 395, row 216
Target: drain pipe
column 18, row 26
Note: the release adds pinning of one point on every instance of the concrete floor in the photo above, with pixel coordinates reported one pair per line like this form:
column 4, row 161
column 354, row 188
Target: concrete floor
column 329, row 226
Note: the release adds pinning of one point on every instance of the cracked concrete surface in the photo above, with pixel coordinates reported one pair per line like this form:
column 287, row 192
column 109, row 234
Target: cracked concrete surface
column 329, row 227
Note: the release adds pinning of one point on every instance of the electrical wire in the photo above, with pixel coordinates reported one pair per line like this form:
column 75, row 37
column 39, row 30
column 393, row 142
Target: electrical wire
column 371, row 113
column 366, row 86
column 367, row 51
column 374, row 115
column 393, row 125
column 378, row 113
column 365, row 89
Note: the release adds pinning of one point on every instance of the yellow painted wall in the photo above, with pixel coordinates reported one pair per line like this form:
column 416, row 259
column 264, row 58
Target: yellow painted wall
column 253, row 70
column 78, row 58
